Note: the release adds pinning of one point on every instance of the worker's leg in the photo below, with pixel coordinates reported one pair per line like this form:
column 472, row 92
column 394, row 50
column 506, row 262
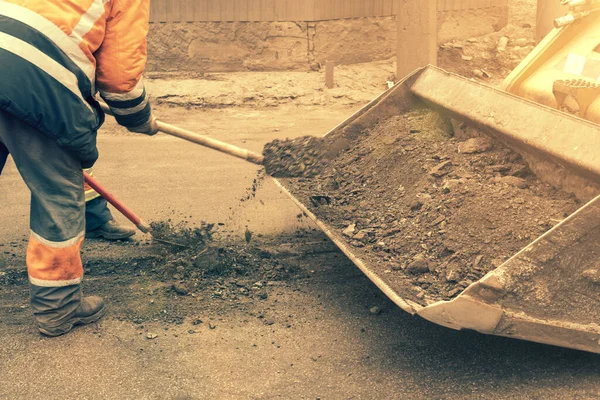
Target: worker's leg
column 99, row 221
column 96, row 208
column 3, row 156
column 57, row 223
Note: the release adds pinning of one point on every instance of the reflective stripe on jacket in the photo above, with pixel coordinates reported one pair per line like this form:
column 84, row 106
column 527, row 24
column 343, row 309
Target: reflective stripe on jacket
column 55, row 54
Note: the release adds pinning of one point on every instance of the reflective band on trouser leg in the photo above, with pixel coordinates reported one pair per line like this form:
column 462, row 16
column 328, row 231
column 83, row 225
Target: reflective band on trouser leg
column 90, row 194
column 54, row 264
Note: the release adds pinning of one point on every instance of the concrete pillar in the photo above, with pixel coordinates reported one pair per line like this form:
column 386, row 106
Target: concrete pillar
column 329, row 81
column 417, row 35
column 547, row 12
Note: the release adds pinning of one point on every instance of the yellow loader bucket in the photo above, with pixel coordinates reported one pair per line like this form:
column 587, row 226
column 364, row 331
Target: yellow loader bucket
column 548, row 291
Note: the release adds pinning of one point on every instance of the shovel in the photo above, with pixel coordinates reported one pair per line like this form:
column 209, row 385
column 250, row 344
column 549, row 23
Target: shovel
column 123, row 209
column 205, row 141
column 116, row 203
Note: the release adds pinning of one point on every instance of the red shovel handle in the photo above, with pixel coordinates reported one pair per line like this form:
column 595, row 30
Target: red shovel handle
column 116, row 203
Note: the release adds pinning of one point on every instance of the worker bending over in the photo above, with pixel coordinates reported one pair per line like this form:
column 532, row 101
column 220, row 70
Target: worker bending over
column 54, row 55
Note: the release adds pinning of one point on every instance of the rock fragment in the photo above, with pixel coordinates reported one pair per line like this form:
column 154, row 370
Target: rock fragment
column 350, row 230
column 592, row 275
column 512, row 181
column 438, row 220
column 180, row 289
column 416, row 205
column 453, row 276
column 419, row 265
column 441, row 169
column 360, row 235
column 375, row 310
column 475, row 145
column 502, row 43
column 521, row 42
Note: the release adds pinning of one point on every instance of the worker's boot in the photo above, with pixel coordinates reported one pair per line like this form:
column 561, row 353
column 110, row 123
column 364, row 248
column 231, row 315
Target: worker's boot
column 111, row 230
column 59, row 309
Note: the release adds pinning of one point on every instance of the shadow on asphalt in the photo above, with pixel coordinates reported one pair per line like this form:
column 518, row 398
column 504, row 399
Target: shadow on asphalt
column 399, row 341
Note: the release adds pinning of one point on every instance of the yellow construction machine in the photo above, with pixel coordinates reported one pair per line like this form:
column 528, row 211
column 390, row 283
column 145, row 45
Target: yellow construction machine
column 548, row 111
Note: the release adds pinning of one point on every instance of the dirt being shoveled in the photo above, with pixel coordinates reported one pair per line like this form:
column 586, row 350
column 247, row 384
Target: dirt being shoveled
column 431, row 213
column 303, row 156
column 181, row 235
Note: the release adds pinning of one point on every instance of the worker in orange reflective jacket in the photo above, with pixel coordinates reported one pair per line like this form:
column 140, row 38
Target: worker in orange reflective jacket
column 54, row 56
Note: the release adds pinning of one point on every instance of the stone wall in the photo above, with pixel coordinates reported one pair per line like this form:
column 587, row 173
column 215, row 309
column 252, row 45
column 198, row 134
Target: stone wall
column 200, row 47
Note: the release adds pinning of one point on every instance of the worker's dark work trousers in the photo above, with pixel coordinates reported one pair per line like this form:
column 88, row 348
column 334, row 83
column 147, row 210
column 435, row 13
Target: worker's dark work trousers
column 96, row 213
column 57, row 219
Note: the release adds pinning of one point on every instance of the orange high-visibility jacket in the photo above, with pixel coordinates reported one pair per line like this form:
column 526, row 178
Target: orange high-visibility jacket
column 56, row 54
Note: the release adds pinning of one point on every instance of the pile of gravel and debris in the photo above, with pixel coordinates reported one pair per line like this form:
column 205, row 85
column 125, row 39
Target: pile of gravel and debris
column 429, row 212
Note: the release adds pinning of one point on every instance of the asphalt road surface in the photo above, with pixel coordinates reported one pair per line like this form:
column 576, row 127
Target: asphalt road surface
column 320, row 340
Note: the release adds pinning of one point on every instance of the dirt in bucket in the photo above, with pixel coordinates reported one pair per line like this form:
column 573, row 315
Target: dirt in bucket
column 431, row 213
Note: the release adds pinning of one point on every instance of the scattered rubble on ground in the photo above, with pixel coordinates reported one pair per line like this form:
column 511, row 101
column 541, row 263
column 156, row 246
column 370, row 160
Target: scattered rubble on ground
column 355, row 84
column 186, row 264
column 204, row 256
column 489, row 58
column 220, row 272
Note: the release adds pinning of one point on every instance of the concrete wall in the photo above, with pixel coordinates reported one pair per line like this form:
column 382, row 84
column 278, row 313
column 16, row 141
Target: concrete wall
column 199, row 47
column 469, row 23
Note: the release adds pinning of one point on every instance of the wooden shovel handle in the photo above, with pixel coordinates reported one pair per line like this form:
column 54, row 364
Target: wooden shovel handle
column 205, row 141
